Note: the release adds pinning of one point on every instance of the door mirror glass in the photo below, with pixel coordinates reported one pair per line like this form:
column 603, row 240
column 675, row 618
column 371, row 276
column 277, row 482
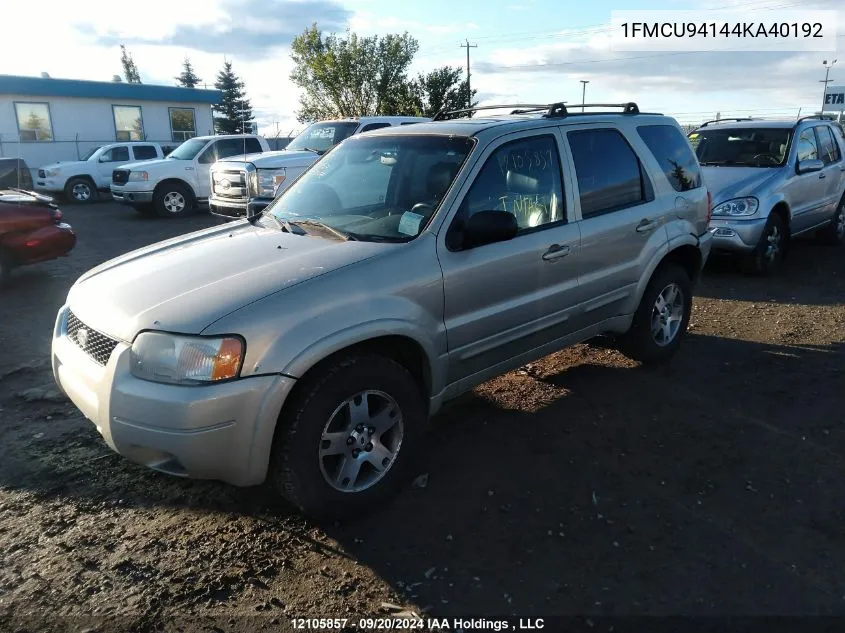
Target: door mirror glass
column 486, row 227
column 809, row 165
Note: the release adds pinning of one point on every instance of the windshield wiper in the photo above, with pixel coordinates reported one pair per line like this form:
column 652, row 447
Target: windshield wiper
column 719, row 162
column 344, row 235
column 319, row 152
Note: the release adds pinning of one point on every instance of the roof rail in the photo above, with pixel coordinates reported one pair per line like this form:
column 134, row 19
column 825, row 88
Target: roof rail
column 813, row 117
column 557, row 109
column 728, row 118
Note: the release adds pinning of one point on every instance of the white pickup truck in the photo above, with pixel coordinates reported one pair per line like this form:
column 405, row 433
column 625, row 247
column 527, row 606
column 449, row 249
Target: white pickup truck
column 81, row 180
column 176, row 185
column 252, row 182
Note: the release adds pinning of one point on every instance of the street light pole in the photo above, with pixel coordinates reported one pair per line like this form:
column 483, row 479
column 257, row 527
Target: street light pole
column 826, row 81
column 584, row 83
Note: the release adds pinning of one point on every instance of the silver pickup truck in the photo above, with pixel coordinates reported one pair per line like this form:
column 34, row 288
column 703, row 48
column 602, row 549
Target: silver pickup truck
column 310, row 344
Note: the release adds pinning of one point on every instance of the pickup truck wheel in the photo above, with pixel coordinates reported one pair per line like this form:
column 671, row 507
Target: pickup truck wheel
column 661, row 319
column 173, row 200
column 770, row 250
column 81, row 191
column 834, row 233
column 345, row 443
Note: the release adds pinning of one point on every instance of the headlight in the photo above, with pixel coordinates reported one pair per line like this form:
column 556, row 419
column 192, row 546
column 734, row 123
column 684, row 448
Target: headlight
column 185, row 360
column 737, row 206
column 50, row 173
column 138, row 176
column 266, row 182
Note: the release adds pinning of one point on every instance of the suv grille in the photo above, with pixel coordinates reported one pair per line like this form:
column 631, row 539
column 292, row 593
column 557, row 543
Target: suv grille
column 120, row 176
column 97, row 346
column 230, row 184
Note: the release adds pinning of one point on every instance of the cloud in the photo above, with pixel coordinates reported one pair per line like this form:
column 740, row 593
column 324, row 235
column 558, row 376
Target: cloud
column 244, row 27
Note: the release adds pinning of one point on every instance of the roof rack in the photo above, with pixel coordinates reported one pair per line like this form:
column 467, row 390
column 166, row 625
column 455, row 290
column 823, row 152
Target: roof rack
column 813, row 117
column 557, row 109
column 728, row 118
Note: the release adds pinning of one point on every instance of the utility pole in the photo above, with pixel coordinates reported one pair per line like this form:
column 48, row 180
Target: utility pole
column 826, row 80
column 469, row 89
column 584, row 83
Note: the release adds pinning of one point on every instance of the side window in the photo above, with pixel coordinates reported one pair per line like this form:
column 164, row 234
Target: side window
column 672, row 151
column 118, row 154
column 373, row 126
column 807, row 148
column 144, row 152
column 523, row 178
column 232, row 147
column 609, row 173
column 828, row 148
column 253, row 146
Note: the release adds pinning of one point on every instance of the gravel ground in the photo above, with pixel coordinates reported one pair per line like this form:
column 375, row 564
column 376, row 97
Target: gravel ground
column 580, row 484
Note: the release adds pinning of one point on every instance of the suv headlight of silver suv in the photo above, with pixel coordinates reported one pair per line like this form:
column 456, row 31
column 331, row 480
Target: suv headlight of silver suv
column 737, row 207
column 186, row 360
column 266, row 182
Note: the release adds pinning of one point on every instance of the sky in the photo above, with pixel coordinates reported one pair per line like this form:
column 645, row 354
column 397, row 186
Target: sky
column 528, row 51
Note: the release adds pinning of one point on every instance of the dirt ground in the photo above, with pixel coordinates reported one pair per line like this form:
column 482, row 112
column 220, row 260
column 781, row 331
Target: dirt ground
column 581, row 484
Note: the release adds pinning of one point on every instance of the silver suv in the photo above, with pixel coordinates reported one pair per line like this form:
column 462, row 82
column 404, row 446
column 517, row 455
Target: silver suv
column 310, row 344
column 772, row 180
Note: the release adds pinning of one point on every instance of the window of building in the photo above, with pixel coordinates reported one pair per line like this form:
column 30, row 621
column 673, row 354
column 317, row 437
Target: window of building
column 183, row 124
column 609, row 172
column 34, row 122
column 144, row 152
column 128, row 124
column 672, row 151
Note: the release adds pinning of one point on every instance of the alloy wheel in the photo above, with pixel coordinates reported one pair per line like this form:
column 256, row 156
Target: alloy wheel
column 773, row 244
column 360, row 441
column 81, row 192
column 667, row 315
column 174, row 202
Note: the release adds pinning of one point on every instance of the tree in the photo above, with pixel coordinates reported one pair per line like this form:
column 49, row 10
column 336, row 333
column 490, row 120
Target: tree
column 344, row 76
column 441, row 89
column 130, row 70
column 235, row 110
column 188, row 78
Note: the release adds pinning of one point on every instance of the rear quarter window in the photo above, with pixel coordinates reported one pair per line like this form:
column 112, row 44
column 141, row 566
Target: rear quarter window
column 673, row 153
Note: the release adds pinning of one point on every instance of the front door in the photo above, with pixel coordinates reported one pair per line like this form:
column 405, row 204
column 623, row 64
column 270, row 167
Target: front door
column 508, row 298
column 805, row 192
column 110, row 160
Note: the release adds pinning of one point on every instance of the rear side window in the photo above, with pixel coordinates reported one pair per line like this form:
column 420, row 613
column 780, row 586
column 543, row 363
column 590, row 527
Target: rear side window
column 609, row 173
column 374, row 126
column 234, row 147
column 144, row 152
column 253, row 146
column 672, row 151
column 828, row 147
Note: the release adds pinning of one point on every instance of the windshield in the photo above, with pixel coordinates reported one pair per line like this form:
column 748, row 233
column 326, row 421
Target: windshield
column 323, row 136
column 747, row 147
column 90, row 153
column 188, row 150
column 383, row 188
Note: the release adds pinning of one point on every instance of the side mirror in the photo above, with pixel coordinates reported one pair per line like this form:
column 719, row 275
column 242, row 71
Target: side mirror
column 486, row 227
column 807, row 166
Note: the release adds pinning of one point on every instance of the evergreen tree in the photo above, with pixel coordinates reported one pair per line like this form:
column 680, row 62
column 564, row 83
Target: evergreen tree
column 130, row 70
column 234, row 108
column 188, row 78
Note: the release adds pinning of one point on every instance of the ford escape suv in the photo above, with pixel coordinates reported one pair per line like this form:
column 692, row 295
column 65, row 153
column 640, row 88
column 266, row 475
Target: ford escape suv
column 771, row 181
column 309, row 344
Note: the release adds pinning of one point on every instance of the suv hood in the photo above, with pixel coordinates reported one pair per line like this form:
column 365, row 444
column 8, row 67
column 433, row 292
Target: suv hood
column 275, row 160
column 728, row 182
column 187, row 283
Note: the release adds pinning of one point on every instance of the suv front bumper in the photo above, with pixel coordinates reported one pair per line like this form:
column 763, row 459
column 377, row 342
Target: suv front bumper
column 128, row 196
column 739, row 236
column 220, row 431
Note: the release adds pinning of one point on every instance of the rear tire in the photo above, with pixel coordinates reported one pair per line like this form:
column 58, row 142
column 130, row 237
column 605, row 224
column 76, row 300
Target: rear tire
column 364, row 403
column 81, row 191
column 661, row 319
column 173, row 200
column 834, row 233
column 768, row 255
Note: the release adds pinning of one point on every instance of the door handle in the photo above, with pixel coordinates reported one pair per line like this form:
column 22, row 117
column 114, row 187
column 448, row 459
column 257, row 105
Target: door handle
column 646, row 225
column 189, row 169
column 556, row 251
column 822, row 175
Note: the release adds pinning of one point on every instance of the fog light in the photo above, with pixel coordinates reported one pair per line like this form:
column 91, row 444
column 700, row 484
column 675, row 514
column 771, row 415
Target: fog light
column 721, row 232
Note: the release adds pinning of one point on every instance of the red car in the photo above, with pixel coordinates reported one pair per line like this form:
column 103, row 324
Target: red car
column 31, row 230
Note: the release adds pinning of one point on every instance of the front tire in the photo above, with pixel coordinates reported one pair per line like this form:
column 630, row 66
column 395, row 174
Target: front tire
column 661, row 319
column 834, row 233
column 768, row 255
column 81, row 191
column 345, row 443
column 173, row 200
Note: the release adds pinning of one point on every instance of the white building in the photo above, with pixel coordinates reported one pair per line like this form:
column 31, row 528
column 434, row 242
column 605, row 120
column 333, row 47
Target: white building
column 43, row 120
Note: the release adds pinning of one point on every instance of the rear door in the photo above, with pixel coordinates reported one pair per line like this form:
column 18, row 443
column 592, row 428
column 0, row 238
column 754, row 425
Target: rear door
column 110, row 160
column 622, row 223
column 834, row 170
